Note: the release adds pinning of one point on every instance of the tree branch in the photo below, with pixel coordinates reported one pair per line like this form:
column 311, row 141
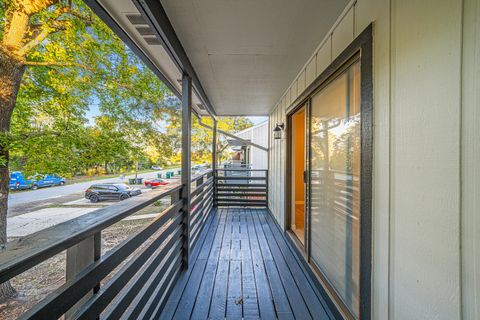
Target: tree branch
column 57, row 64
column 35, row 134
column 35, row 41
column 53, row 25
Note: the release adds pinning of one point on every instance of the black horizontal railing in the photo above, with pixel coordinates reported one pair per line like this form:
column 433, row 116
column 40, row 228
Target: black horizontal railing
column 136, row 275
column 241, row 187
column 336, row 190
column 201, row 204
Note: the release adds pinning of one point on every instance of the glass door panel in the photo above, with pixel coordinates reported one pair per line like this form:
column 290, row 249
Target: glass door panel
column 297, row 169
column 335, row 184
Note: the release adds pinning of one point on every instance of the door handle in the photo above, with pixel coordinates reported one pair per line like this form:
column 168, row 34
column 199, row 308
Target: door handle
column 305, row 176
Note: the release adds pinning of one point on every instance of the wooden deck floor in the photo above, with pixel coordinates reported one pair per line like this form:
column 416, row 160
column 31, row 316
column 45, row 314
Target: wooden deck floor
column 244, row 268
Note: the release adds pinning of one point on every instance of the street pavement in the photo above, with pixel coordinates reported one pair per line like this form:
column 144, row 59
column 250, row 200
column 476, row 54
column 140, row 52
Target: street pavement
column 50, row 193
column 34, row 210
column 55, row 205
column 31, row 222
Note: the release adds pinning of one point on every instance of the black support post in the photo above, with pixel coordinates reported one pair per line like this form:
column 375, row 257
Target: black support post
column 186, row 168
column 214, row 162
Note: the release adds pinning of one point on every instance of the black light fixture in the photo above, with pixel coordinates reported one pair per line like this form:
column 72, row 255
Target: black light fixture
column 277, row 131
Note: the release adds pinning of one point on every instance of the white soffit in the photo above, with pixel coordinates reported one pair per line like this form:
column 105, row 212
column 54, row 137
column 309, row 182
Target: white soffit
column 120, row 10
column 246, row 52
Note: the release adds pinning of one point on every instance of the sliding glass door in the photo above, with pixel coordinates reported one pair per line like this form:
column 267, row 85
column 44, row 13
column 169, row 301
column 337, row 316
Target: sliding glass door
column 335, row 149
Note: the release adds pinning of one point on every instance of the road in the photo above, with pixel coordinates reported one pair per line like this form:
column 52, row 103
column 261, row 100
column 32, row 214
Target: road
column 24, row 198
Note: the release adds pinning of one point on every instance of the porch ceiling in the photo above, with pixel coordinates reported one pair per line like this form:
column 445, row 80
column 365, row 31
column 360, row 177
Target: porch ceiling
column 247, row 52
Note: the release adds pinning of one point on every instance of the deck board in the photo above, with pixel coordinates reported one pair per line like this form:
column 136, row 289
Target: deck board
column 218, row 304
column 265, row 300
column 174, row 298
column 245, row 270
column 249, row 288
column 202, row 303
column 185, row 307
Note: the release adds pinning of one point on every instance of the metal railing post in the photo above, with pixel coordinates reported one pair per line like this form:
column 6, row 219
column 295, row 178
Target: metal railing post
column 186, row 167
column 78, row 258
column 214, row 162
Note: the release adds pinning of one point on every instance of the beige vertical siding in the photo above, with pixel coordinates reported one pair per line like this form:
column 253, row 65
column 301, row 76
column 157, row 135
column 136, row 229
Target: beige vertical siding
column 311, row 71
column 425, row 168
column 470, row 160
column 426, row 177
column 342, row 35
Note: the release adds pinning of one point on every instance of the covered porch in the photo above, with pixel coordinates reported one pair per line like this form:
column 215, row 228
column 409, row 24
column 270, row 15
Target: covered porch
column 218, row 262
column 388, row 92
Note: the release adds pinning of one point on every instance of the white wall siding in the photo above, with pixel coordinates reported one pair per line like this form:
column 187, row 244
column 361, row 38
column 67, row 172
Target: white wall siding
column 259, row 157
column 257, row 134
column 276, row 176
column 426, row 176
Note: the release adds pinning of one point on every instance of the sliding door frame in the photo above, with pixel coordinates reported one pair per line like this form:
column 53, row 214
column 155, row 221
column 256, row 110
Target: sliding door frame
column 359, row 50
column 289, row 181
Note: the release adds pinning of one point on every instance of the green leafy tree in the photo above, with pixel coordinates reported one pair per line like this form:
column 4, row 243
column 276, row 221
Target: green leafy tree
column 202, row 137
column 23, row 30
column 56, row 58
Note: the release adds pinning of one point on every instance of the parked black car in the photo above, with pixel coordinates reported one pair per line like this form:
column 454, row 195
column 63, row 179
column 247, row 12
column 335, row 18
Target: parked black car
column 106, row 191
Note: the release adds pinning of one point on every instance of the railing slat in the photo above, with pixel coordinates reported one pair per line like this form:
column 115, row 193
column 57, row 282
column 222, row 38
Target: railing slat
column 247, row 170
column 68, row 294
column 239, row 178
column 196, row 229
column 109, row 291
column 238, row 187
column 261, row 190
column 27, row 252
column 161, row 297
column 240, row 200
column 203, row 174
column 201, row 194
column 229, row 185
column 243, row 194
column 202, row 186
column 169, row 253
column 157, row 277
column 241, row 204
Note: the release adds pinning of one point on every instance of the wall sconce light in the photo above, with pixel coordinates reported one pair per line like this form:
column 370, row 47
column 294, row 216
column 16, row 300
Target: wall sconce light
column 277, row 131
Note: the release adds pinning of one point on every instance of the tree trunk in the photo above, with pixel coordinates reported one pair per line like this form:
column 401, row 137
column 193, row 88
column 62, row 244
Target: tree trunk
column 106, row 167
column 11, row 72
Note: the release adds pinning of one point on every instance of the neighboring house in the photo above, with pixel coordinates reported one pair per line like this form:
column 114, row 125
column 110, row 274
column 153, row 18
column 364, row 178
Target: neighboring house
column 252, row 157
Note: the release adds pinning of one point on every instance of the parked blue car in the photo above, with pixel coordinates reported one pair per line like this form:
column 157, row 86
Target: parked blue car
column 18, row 181
column 47, row 180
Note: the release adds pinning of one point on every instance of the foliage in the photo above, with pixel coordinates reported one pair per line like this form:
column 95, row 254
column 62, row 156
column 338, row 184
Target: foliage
column 202, row 137
column 80, row 65
column 83, row 65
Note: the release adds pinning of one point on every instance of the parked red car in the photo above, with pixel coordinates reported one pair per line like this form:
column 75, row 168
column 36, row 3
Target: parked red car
column 155, row 183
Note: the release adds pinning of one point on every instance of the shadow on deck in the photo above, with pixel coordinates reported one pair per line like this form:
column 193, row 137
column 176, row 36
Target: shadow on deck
column 244, row 268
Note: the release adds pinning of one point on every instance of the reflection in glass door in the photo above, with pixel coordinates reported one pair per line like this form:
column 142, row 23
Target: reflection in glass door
column 335, row 184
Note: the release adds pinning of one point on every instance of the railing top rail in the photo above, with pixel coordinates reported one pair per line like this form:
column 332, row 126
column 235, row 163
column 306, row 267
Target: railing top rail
column 201, row 174
column 239, row 169
column 26, row 252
